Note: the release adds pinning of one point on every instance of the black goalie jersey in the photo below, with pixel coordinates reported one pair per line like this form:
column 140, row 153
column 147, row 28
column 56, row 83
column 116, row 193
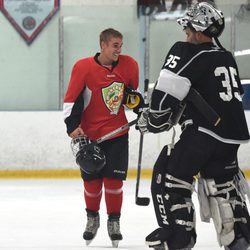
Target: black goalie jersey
column 213, row 72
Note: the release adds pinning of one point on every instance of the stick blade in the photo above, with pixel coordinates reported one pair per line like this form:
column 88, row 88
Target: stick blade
column 142, row 201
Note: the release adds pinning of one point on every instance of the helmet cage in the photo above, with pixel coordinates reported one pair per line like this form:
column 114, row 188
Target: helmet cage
column 78, row 143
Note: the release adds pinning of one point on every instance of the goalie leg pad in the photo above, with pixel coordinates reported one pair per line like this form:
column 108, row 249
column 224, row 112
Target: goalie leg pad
column 238, row 244
column 175, row 213
column 223, row 219
column 228, row 210
column 157, row 187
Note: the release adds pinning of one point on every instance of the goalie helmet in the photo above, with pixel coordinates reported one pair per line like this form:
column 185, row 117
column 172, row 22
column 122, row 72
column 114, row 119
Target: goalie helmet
column 89, row 156
column 205, row 18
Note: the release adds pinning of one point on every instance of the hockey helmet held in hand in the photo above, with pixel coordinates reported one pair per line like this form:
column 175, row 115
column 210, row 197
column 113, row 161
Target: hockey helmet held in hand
column 204, row 17
column 89, row 156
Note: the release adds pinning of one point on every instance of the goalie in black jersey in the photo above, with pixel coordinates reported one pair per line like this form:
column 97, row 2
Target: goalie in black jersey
column 205, row 148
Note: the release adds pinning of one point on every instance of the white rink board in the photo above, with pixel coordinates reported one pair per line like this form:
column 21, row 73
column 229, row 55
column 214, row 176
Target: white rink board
column 38, row 140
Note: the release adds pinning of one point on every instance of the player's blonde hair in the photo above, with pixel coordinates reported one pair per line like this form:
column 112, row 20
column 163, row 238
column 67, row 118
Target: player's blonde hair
column 107, row 34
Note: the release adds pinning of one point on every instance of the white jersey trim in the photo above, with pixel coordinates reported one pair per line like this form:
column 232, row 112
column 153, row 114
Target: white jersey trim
column 67, row 107
column 160, row 111
column 201, row 52
column 173, row 84
column 219, row 138
column 87, row 93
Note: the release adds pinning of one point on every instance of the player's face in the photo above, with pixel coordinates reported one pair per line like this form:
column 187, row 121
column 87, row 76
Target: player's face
column 191, row 36
column 112, row 49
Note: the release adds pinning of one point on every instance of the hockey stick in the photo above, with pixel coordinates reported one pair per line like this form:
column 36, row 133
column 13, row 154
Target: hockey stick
column 141, row 201
column 75, row 141
column 205, row 109
column 116, row 131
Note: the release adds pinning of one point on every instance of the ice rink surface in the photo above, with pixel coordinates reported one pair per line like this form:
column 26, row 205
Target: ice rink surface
column 49, row 214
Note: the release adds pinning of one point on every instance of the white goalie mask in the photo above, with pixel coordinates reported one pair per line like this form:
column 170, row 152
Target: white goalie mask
column 205, row 18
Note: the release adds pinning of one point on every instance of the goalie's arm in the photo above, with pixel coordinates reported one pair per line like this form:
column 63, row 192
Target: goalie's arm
column 171, row 93
column 165, row 119
column 159, row 121
column 167, row 104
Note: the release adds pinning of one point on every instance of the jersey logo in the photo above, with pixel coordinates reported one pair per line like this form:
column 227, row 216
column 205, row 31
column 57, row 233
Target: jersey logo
column 110, row 76
column 113, row 95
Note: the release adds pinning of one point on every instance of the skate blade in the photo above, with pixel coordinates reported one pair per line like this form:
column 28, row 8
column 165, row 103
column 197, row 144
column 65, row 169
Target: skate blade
column 115, row 243
column 159, row 246
column 163, row 246
column 88, row 242
column 153, row 243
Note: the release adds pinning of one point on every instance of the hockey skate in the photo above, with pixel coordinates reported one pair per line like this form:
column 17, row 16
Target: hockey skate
column 238, row 244
column 93, row 223
column 114, row 229
column 157, row 240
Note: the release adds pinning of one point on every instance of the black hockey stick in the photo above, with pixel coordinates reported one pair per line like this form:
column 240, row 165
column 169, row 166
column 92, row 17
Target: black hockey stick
column 141, row 201
column 205, row 109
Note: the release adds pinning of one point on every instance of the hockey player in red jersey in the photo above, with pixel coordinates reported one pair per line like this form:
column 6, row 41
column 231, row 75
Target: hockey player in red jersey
column 93, row 107
column 204, row 148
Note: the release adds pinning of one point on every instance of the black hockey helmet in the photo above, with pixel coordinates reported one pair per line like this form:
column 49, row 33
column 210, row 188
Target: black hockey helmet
column 89, row 156
column 204, row 17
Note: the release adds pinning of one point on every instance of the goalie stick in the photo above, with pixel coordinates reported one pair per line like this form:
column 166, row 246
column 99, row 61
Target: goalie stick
column 141, row 201
column 204, row 108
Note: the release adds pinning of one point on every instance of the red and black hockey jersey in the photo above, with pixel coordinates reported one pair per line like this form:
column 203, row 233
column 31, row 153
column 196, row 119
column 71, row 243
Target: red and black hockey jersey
column 213, row 72
column 95, row 93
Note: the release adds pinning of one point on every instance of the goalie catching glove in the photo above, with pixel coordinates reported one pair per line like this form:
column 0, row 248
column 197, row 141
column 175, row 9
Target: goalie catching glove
column 133, row 99
column 89, row 156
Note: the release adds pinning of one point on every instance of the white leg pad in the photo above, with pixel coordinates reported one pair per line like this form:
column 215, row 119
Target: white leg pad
column 218, row 208
column 205, row 212
column 223, row 219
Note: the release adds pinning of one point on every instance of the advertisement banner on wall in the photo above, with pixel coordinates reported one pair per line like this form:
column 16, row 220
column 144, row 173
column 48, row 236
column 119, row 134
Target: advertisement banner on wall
column 29, row 16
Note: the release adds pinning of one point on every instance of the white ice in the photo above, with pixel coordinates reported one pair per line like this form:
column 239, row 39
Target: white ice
column 50, row 215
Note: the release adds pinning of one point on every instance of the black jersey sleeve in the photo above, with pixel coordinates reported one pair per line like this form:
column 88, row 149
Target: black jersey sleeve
column 170, row 87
